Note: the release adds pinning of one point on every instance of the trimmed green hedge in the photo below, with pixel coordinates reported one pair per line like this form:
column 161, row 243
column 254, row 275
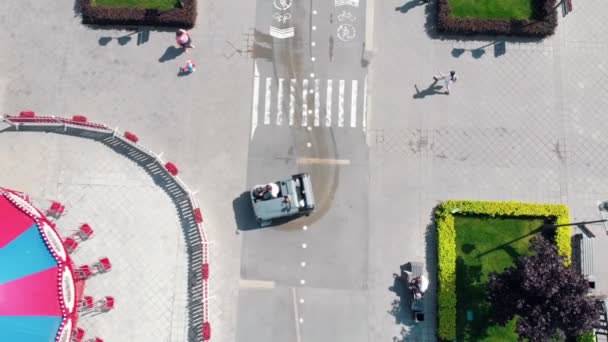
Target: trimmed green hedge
column 446, row 248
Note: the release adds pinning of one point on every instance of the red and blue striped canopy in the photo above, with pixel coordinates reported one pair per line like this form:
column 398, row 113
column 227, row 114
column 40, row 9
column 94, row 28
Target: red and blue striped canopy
column 36, row 282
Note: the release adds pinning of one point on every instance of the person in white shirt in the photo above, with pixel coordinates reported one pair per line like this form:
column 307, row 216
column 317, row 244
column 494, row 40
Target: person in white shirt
column 447, row 79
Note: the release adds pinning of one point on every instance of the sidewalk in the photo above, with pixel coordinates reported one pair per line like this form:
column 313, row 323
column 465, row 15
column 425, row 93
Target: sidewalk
column 525, row 121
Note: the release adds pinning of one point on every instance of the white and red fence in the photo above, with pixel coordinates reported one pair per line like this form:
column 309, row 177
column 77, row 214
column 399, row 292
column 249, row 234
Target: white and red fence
column 165, row 175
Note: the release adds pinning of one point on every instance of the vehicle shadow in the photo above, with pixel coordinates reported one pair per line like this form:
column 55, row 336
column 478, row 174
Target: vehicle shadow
column 243, row 213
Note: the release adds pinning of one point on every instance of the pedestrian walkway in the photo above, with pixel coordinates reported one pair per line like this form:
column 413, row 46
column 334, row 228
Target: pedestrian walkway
column 309, row 102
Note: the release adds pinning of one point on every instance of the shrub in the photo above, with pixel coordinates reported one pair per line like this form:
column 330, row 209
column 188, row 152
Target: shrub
column 446, row 248
column 586, row 337
column 543, row 24
column 184, row 17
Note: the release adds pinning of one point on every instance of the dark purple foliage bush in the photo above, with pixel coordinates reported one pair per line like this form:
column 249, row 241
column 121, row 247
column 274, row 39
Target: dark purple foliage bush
column 184, row 17
column 550, row 299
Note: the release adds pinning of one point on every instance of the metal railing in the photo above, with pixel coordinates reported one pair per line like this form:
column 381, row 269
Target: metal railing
column 197, row 244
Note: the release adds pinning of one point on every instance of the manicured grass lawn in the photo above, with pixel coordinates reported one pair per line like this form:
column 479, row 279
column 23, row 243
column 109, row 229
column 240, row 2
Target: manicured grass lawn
column 484, row 245
column 158, row 4
column 498, row 9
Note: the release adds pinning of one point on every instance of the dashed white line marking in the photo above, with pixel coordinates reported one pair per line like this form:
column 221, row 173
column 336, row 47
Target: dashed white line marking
column 341, row 104
column 317, row 102
column 292, row 100
column 303, row 264
column 305, row 102
column 280, row 102
column 305, row 228
column 301, row 300
column 353, row 104
column 313, row 59
column 328, row 104
column 314, row 28
column 308, row 144
column 256, row 284
column 303, row 245
column 313, row 43
column 296, row 314
column 302, row 281
column 267, row 101
column 312, row 75
column 322, row 161
column 254, row 106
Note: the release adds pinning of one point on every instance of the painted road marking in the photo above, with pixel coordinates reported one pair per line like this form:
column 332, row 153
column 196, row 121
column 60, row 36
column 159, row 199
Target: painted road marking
column 296, row 314
column 317, row 102
column 254, row 106
column 328, row 104
column 341, row 104
column 256, row 284
column 292, row 100
column 280, row 102
column 267, row 101
column 364, row 104
column 314, row 104
column 305, row 102
column 353, row 104
column 322, row 161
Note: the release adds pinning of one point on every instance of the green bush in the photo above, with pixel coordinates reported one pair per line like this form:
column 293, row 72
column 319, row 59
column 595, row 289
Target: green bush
column 446, row 247
column 586, row 337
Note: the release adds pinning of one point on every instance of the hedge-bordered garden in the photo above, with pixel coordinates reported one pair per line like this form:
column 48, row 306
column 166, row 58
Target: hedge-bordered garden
column 542, row 24
column 183, row 16
column 446, row 249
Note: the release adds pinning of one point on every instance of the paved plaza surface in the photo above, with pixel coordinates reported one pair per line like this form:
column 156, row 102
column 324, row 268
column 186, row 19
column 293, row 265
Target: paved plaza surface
column 524, row 122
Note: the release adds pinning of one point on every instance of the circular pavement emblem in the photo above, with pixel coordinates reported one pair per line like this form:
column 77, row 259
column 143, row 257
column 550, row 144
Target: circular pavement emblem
column 282, row 5
column 346, row 32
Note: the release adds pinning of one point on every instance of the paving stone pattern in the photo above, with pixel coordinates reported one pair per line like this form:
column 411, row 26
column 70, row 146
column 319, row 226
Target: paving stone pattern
column 135, row 223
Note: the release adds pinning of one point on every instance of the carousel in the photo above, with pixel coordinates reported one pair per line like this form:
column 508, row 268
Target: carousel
column 38, row 289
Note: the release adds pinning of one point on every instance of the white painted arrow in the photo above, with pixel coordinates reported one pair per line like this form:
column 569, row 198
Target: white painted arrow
column 282, row 33
column 354, row 3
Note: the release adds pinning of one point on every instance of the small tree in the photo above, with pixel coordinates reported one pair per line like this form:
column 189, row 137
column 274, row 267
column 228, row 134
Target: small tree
column 549, row 299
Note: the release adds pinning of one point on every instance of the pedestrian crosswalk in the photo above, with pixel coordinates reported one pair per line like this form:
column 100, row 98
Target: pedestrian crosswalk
column 308, row 102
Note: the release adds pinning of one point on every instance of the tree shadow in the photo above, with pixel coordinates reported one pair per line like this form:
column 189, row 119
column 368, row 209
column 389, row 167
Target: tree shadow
column 506, row 244
column 472, row 310
column 172, row 52
column 409, row 5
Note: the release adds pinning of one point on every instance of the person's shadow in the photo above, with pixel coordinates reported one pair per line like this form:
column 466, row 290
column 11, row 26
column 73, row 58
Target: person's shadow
column 171, row 53
column 409, row 5
column 432, row 89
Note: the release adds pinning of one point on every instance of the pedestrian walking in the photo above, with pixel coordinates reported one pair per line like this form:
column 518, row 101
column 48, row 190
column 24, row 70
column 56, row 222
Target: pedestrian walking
column 447, row 79
column 184, row 40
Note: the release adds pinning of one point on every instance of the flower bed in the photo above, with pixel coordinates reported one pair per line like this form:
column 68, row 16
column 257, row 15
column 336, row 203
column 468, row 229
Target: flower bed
column 446, row 249
column 542, row 24
column 182, row 16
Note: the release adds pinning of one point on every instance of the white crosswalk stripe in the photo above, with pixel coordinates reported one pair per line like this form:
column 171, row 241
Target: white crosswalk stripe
column 309, row 102
column 328, row 102
column 317, row 103
column 304, row 102
column 280, row 102
column 267, row 101
column 353, row 104
column 341, row 104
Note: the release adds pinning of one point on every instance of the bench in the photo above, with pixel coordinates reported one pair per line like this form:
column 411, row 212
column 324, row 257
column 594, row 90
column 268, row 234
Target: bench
column 583, row 247
column 417, row 304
